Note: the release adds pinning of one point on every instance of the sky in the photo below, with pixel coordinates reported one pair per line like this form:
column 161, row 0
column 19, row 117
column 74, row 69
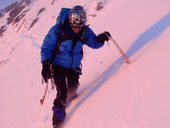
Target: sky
column 112, row 93
column 5, row 3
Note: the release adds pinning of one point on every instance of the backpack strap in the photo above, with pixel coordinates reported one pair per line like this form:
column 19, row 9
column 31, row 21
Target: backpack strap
column 64, row 35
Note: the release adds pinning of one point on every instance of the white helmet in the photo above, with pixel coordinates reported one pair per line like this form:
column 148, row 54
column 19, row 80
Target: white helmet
column 77, row 17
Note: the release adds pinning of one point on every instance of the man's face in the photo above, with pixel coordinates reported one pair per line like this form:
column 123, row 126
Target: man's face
column 76, row 30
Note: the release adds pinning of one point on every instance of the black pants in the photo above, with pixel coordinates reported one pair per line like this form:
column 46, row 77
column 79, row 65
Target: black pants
column 64, row 79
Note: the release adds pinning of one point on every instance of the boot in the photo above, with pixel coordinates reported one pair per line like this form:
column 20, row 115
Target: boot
column 59, row 113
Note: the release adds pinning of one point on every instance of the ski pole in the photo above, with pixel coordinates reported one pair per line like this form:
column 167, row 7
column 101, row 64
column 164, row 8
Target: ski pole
column 121, row 51
column 45, row 93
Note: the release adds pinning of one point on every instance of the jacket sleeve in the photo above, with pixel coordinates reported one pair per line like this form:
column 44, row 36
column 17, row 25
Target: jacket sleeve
column 91, row 39
column 49, row 43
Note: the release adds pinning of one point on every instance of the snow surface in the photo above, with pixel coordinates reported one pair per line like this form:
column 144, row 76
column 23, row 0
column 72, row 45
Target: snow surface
column 113, row 94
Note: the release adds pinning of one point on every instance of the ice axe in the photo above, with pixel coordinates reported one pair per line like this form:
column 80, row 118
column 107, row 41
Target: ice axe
column 45, row 93
column 121, row 51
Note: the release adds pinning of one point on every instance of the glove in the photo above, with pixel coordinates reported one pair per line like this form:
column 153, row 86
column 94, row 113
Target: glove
column 46, row 74
column 103, row 37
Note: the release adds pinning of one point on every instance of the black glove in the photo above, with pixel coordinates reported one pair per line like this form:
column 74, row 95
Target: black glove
column 46, row 74
column 103, row 37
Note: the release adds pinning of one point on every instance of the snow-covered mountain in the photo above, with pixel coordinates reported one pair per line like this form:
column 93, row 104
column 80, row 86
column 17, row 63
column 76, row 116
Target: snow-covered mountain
column 113, row 94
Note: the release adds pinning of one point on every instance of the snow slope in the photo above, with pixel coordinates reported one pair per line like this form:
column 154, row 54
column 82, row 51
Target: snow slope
column 113, row 94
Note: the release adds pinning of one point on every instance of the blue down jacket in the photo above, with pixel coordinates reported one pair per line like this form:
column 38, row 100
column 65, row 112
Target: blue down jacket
column 66, row 58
